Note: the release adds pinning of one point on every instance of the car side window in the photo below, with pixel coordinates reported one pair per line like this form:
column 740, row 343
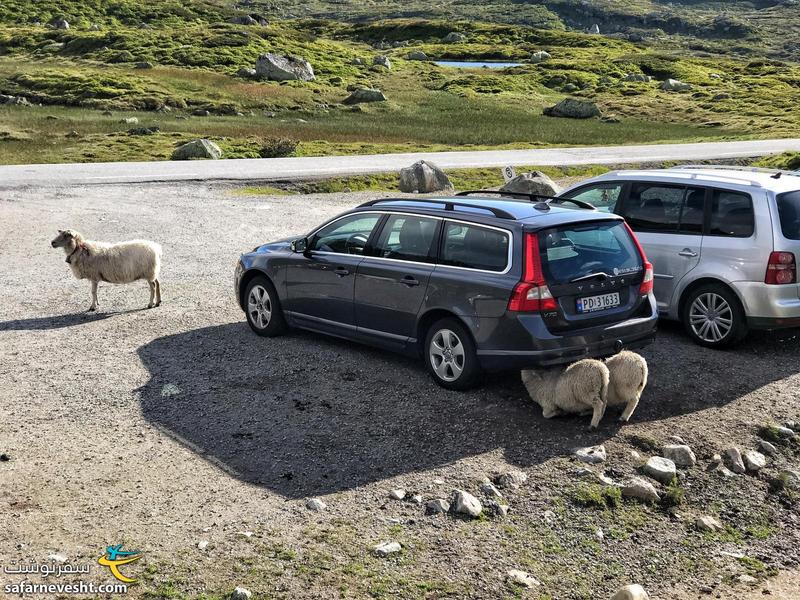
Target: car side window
column 347, row 235
column 603, row 196
column 474, row 247
column 407, row 237
column 665, row 208
column 732, row 214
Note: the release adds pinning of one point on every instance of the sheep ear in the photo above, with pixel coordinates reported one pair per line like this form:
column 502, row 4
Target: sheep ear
column 60, row 231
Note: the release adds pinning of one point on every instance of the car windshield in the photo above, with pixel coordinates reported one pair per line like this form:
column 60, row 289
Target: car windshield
column 574, row 251
column 789, row 211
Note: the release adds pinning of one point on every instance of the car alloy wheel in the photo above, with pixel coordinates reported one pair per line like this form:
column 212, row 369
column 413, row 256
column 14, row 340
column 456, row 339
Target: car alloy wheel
column 711, row 317
column 447, row 355
column 259, row 307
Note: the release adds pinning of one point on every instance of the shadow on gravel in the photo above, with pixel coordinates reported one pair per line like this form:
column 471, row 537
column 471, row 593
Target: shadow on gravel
column 304, row 415
column 58, row 321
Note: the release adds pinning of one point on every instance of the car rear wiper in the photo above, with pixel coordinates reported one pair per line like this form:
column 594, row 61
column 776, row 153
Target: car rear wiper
column 598, row 275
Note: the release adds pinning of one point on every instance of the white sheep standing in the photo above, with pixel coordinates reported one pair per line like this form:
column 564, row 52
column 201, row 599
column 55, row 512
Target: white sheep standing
column 628, row 378
column 124, row 262
column 580, row 388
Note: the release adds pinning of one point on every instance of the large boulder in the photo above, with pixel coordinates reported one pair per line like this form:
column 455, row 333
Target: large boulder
column 417, row 55
column 201, row 148
column 532, row 183
column 60, row 23
column 359, row 95
column 573, row 108
column 674, row 85
column 277, row 67
column 382, row 60
column 454, row 37
column 661, row 469
column 424, row 177
column 637, row 77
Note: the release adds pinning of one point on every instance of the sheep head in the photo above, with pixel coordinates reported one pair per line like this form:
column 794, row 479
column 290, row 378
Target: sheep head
column 68, row 239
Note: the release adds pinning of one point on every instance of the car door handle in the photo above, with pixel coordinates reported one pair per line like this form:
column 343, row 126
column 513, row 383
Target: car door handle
column 688, row 252
column 409, row 281
column 341, row 271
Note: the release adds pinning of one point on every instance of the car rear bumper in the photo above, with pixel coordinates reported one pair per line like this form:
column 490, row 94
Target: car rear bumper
column 535, row 346
column 770, row 306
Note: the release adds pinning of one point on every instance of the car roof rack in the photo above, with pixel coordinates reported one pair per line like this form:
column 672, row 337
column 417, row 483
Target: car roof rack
column 449, row 204
column 542, row 202
column 776, row 173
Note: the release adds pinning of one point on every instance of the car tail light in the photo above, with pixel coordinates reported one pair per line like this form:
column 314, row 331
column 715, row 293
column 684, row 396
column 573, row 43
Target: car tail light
column 647, row 281
column 531, row 294
column 781, row 269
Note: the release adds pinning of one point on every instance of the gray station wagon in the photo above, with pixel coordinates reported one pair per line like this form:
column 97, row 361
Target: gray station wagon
column 466, row 283
column 723, row 241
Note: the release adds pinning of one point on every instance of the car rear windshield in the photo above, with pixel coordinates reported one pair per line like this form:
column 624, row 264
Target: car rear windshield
column 574, row 251
column 789, row 211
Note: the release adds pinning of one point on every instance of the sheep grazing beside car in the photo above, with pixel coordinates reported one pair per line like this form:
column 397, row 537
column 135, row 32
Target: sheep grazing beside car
column 581, row 388
column 628, row 378
column 124, row 262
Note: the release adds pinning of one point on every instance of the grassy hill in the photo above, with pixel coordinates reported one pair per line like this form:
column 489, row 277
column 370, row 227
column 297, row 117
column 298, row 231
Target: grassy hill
column 87, row 78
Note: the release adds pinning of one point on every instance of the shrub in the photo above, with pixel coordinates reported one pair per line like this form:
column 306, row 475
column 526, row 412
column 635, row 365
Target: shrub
column 597, row 496
column 277, row 147
column 673, row 496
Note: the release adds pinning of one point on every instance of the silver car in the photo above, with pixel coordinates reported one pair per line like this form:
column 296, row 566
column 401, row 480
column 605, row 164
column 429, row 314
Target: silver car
column 723, row 241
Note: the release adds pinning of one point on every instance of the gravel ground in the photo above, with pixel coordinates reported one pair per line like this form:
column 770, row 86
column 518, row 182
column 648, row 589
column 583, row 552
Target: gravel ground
column 164, row 428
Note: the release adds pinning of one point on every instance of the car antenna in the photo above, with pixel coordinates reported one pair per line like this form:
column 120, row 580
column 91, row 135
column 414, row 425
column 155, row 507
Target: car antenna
column 777, row 175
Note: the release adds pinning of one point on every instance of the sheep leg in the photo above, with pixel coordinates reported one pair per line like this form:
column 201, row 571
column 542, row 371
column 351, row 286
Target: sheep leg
column 629, row 408
column 598, row 409
column 95, row 303
column 158, row 293
column 152, row 285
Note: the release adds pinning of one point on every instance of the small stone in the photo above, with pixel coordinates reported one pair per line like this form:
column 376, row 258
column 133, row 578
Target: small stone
column 754, row 461
column 416, row 499
column 465, row 503
column 785, row 432
column 661, row 469
column 490, row 490
column 793, row 425
column 522, row 578
column 591, row 454
column 241, row 593
column 4, row 458
column 631, row 592
column 496, row 509
column 397, row 494
column 434, row 507
column 708, row 523
column 599, row 534
column 635, row 455
column 676, row 439
column 767, row 448
column 681, row 455
column 641, row 490
column 733, row 460
column 512, row 479
column 747, row 579
column 245, row 534
column 722, row 470
column 130, row 121
column 438, row 482
column 387, row 548
column 59, row 558
column 548, row 516
column 202, row 544
column 315, row 504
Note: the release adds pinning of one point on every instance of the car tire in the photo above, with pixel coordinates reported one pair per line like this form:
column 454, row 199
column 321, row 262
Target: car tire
column 262, row 307
column 713, row 316
column 450, row 355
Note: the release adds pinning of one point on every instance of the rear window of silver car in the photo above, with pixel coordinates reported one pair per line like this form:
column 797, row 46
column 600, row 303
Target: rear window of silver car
column 574, row 251
column 789, row 211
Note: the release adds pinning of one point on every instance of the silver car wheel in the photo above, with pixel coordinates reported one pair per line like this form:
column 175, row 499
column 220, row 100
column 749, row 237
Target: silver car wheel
column 710, row 317
column 447, row 355
column 259, row 306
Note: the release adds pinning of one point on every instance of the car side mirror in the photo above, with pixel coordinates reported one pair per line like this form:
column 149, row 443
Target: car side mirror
column 300, row 246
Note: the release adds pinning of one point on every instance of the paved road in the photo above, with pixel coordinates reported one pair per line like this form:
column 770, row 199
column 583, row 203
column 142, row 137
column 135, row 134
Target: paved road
column 287, row 169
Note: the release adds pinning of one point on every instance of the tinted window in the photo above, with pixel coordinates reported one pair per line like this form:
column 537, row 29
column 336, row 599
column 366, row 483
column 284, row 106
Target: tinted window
column 731, row 214
column 575, row 251
column 665, row 208
column 407, row 237
column 789, row 212
column 474, row 247
column 348, row 235
column 602, row 196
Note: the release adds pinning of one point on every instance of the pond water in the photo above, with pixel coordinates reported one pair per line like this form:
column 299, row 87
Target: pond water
column 464, row 64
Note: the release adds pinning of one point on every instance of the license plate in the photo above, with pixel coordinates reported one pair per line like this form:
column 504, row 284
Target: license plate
column 595, row 303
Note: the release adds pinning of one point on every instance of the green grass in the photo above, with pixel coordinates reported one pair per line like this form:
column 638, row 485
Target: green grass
column 597, row 496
